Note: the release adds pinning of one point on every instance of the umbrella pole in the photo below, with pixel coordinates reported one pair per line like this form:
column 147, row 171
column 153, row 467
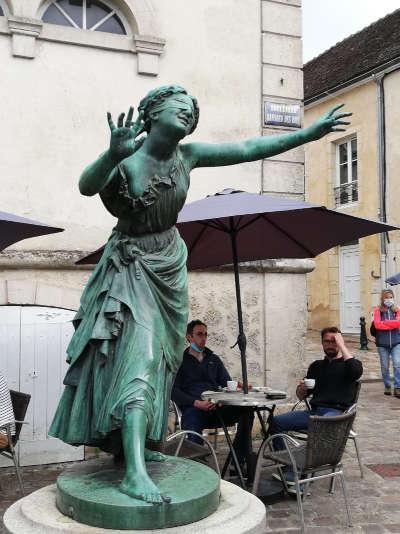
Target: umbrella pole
column 241, row 339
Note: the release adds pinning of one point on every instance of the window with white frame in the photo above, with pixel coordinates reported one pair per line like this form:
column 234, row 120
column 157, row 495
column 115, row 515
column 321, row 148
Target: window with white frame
column 93, row 15
column 346, row 188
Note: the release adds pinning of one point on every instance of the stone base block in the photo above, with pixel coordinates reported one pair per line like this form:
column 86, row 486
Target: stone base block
column 239, row 512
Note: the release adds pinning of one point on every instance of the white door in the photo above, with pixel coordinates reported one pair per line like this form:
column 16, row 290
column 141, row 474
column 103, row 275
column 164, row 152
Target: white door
column 33, row 341
column 350, row 300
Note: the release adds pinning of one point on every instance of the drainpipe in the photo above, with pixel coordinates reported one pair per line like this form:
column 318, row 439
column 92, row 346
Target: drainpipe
column 382, row 175
column 380, row 95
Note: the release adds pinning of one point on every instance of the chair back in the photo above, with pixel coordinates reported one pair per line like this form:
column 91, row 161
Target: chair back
column 357, row 391
column 327, row 437
column 20, row 402
column 174, row 408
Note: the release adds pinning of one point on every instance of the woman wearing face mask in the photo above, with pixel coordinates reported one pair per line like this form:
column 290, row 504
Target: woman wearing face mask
column 387, row 324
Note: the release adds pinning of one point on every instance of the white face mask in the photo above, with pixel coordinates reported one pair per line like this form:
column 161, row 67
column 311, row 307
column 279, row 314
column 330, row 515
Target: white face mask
column 388, row 302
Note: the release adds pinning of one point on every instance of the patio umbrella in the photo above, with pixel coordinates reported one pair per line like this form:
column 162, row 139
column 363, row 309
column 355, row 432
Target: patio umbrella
column 236, row 226
column 393, row 280
column 14, row 228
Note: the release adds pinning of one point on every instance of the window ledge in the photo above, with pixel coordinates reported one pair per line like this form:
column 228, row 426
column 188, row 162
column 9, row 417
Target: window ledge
column 79, row 37
column 350, row 205
column 25, row 31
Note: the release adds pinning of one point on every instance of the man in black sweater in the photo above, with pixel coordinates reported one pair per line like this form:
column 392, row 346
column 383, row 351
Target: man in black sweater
column 335, row 384
column 334, row 390
column 202, row 370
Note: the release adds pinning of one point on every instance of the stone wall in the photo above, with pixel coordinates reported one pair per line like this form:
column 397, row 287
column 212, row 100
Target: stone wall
column 232, row 55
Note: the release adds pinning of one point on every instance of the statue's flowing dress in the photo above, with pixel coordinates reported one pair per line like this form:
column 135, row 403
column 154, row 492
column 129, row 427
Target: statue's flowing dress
column 129, row 330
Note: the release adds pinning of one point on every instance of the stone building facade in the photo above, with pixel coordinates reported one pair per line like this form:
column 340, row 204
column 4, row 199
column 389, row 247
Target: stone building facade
column 64, row 70
column 356, row 171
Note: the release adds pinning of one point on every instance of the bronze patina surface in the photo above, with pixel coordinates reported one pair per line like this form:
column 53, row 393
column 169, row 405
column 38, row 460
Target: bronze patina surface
column 90, row 494
column 130, row 328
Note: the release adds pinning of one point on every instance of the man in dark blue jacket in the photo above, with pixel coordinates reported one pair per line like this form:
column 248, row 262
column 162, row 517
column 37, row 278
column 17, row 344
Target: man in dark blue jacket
column 202, row 370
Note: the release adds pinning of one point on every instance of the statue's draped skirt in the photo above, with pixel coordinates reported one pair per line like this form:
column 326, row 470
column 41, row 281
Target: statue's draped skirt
column 130, row 328
column 128, row 341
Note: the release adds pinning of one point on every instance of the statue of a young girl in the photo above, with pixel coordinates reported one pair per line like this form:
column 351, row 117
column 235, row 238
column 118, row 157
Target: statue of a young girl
column 130, row 328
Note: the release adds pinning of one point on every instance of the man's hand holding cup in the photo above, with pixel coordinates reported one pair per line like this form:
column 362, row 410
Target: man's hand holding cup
column 303, row 388
column 309, row 383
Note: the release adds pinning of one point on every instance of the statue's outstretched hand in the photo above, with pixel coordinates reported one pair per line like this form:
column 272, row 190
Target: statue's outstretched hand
column 122, row 140
column 329, row 122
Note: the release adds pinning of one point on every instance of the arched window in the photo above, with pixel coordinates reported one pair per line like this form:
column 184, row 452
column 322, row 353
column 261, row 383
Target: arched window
column 93, row 15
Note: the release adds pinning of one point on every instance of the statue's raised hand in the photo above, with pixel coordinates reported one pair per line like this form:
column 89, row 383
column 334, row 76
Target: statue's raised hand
column 122, row 140
column 329, row 122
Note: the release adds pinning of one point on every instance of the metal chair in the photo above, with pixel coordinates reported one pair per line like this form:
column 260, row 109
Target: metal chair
column 323, row 451
column 20, row 402
column 302, row 435
column 185, row 447
column 174, row 408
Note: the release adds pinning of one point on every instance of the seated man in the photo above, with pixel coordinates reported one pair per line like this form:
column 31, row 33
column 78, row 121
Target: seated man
column 6, row 411
column 335, row 384
column 202, row 370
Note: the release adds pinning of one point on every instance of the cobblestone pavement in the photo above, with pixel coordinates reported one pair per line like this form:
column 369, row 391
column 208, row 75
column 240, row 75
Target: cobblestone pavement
column 374, row 500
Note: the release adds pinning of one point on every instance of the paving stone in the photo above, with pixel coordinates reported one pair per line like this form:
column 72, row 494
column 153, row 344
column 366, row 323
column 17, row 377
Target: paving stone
column 374, row 500
column 373, row 528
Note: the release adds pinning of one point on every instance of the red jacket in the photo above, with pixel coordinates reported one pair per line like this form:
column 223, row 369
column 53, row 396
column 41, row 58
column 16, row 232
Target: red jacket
column 386, row 324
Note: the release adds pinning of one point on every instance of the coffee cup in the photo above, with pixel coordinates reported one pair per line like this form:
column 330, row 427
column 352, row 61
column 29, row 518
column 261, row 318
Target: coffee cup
column 309, row 383
column 232, row 385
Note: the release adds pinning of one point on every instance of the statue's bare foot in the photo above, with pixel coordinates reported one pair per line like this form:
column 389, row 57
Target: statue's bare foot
column 143, row 488
column 154, row 456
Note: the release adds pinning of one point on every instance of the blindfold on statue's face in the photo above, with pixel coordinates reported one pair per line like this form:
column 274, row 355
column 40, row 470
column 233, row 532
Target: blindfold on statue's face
column 182, row 104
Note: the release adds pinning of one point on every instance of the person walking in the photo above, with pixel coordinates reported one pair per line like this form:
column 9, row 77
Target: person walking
column 386, row 329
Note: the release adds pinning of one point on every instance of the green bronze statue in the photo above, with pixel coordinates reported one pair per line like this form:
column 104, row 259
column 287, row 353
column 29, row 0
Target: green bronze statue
column 130, row 327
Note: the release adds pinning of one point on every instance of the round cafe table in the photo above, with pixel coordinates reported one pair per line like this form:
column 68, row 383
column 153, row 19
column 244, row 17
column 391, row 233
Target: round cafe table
column 254, row 402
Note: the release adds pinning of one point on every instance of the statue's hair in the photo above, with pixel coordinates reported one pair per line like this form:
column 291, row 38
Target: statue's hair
column 157, row 96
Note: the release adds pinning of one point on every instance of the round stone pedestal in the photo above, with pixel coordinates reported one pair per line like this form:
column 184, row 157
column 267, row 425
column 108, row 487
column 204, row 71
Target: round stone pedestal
column 239, row 512
column 89, row 493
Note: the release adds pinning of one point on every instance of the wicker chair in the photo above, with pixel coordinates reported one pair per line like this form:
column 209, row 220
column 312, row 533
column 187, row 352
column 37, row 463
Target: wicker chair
column 352, row 436
column 20, row 402
column 323, row 451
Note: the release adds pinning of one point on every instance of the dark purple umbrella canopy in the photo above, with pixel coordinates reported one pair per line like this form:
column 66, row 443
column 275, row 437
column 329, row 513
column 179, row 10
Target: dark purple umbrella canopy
column 393, row 280
column 266, row 227
column 235, row 226
column 14, row 228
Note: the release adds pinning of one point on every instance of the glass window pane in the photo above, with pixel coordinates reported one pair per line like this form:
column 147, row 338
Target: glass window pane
column 112, row 25
column 343, row 153
column 354, row 171
column 74, row 9
column 344, row 197
column 354, row 149
column 1, row 12
column 355, row 191
column 53, row 16
column 343, row 174
column 95, row 11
